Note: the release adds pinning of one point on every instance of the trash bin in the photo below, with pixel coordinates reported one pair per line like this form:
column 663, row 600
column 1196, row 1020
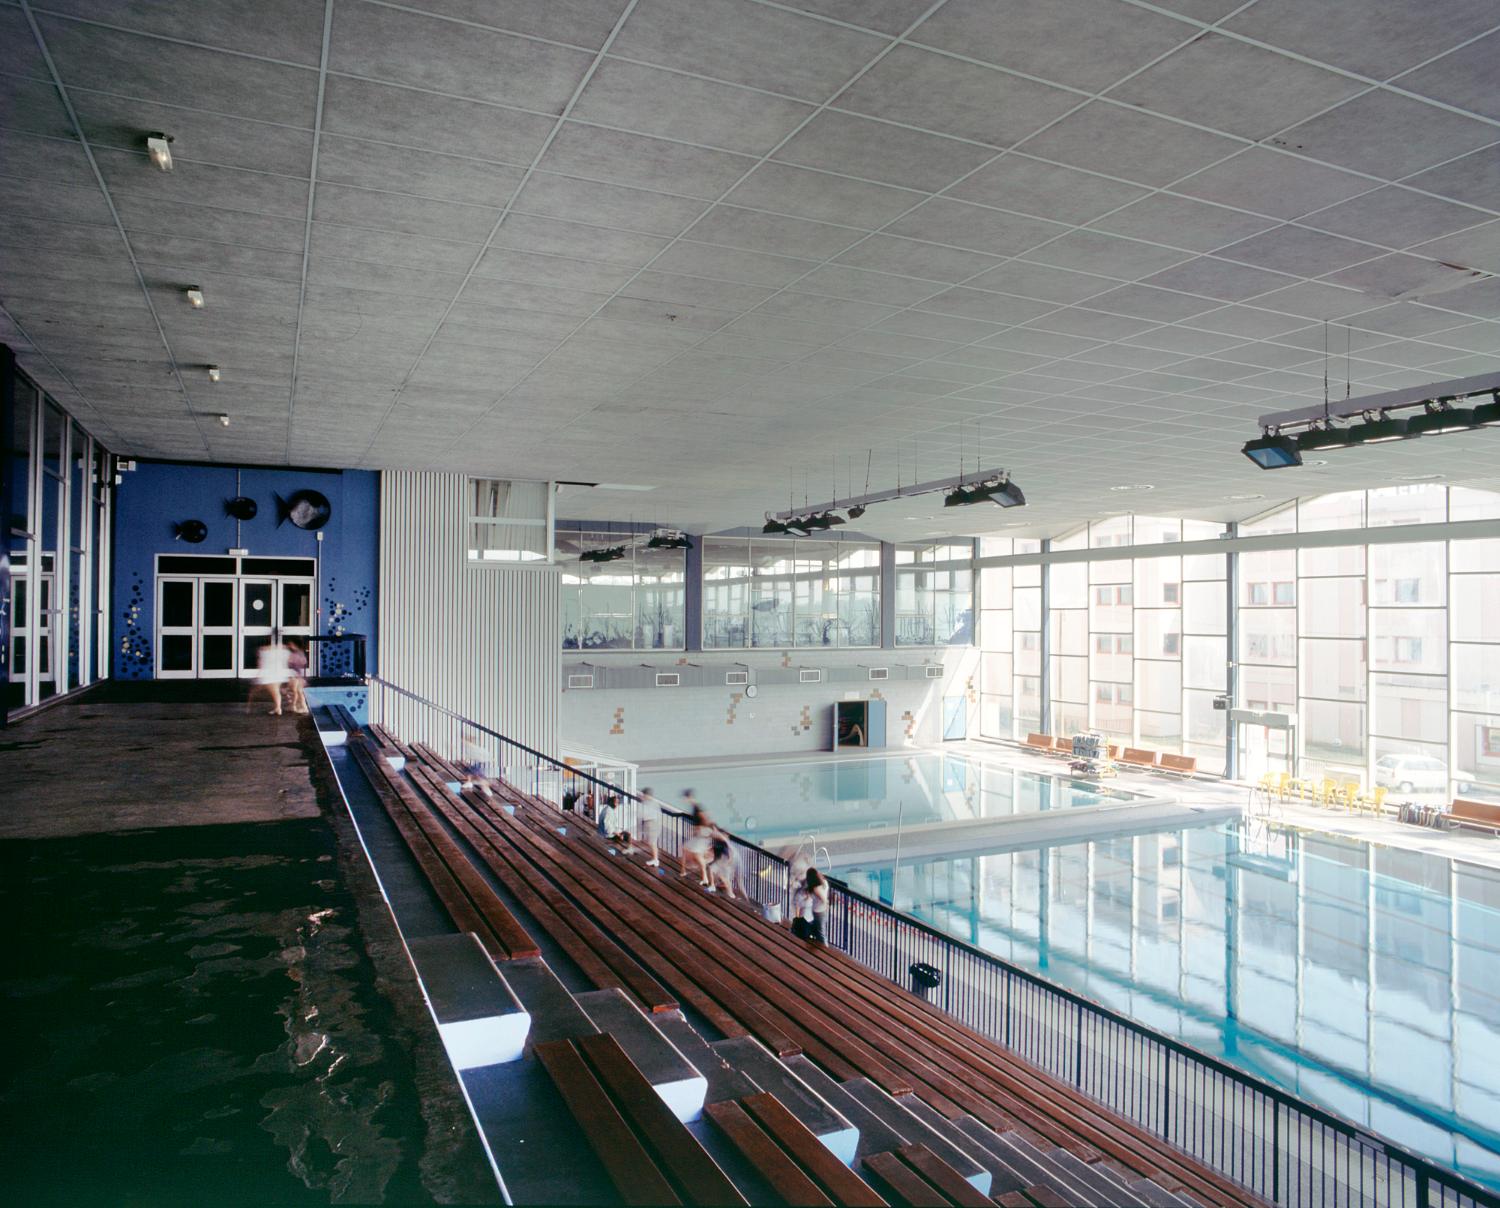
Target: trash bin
column 925, row 978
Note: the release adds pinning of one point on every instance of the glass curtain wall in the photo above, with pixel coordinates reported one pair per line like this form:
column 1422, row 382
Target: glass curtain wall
column 1388, row 654
column 790, row 593
column 634, row 602
column 57, row 485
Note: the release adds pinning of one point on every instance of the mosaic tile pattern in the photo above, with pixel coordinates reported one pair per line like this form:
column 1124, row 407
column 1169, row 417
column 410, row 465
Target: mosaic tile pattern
column 734, row 704
column 619, row 723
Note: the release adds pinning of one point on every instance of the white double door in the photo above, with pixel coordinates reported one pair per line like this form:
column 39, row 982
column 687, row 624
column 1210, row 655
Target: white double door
column 213, row 626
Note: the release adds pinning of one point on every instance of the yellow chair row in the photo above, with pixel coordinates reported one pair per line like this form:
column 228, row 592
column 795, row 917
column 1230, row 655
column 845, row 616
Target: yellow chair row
column 1347, row 795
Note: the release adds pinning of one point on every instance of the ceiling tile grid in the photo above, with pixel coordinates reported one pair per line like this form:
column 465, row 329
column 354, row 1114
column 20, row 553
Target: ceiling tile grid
column 1090, row 240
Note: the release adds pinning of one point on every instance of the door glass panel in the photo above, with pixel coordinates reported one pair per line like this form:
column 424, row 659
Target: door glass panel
column 218, row 652
column 257, row 606
column 177, row 652
column 177, row 605
column 18, row 655
column 296, row 604
column 218, row 605
column 253, row 644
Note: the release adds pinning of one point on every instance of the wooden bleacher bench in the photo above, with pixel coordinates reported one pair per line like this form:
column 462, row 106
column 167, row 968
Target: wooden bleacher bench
column 1039, row 742
column 799, row 1168
column 1137, row 758
column 1481, row 815
column 1182, row 765
column 387, row 742
column 469, row 900
column 445, row 768
column 648, row 1153
column 914, row 1174
column 729, row 963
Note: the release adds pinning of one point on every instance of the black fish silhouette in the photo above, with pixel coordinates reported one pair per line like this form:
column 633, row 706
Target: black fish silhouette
column 241, row 507
column 191, row 531
column 305, row 509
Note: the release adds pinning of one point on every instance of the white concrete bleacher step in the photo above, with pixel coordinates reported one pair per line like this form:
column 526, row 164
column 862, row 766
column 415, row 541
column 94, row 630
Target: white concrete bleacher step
column 1099, row 1179
column 771, row 1075
column 1026, row 1162
column 1005, row 1176
column 724, row 1080
column 479, row 1018
column 554, row 1013
column 895, row 1113
column 681, row 1086
column 875, row 1135
column 332, row 729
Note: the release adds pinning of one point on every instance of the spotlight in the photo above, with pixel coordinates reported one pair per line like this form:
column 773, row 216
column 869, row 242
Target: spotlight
column 856, row 511
column 1315, row 440
column 1441, row 418
column 1273, row 452
column 1488, row 415
column 612, row 554
column 800, row 526
column 215, row 373
column 833, row 518
column 1003, row 494
column 159, row 147
column 1379, row 431
column 773, row 527
column 195, row 297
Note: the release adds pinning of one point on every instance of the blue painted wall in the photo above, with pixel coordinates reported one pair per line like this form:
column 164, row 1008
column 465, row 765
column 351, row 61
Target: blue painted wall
column 158, row 495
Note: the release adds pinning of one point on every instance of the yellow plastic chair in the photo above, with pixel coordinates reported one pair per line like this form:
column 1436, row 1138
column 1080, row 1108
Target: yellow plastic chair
column 1349, row 797
column 1328, row 791
column 1283, row 784
column 1375, row 801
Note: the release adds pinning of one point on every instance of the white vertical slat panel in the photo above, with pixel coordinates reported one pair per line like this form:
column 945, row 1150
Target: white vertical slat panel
column 483, row 641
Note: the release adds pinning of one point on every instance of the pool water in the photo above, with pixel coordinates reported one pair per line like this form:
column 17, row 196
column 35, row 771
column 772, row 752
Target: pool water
column 1362, row 978
column 194, row 1019
column 775, row 801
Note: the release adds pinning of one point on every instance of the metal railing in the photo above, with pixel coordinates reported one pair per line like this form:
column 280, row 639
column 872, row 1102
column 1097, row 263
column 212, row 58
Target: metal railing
column 1286, row 1150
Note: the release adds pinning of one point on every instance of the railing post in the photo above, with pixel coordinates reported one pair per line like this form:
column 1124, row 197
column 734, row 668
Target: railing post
column 1166, row 1095
column 1275, row 1152
column 1078, row 1047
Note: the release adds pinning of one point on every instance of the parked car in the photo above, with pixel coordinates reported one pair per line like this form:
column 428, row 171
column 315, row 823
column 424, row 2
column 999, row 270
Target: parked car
column 1419, row 774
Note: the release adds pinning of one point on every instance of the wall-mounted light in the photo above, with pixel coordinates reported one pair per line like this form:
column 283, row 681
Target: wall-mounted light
column 215, row 373
column 223, row 421
column 159, row 148
column 195, row 297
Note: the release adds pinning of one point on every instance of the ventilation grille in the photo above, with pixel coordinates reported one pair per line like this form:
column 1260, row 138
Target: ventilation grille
column 810, row 677
column 736, row 677
column 580, row 681
column 880, row 673
column 668, row 679
column 934, row 672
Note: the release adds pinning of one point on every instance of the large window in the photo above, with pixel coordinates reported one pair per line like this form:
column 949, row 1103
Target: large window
column 631, row 600
column 1386, row 653
column 790, row 593
column 935, row 595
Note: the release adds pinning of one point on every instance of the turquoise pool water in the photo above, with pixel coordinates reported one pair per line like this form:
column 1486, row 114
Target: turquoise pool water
column 1363, row 978
column 773, row 801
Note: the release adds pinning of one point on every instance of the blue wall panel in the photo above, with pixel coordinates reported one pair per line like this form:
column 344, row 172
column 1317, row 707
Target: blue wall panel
column 157, row 495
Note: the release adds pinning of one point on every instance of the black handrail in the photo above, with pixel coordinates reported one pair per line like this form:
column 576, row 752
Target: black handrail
column 1074, row 1015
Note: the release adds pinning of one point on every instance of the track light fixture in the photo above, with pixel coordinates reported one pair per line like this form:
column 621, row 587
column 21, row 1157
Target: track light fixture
column 669, row 539
column 613, row 554
column 988, row 486
column 1430, row 411
column 1001, row 492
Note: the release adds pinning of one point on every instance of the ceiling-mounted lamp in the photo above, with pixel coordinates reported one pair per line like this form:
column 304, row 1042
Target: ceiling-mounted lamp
column 195, row 297
column 613, row 554
column 833, row 518
column 800, row 526
column 223, row 421
column 1379, row 431
column 1273, row 451
column 773, row 527
column 1488, row 415
column 215, row 374
column 1440, row 417
column 159, row 148
column 669, row 539
column 856, row 511
column 1315, row 440
column 1001, row 492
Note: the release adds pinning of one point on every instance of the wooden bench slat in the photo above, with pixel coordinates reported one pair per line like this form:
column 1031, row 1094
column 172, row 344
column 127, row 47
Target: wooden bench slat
column 626, row 1161
column 812, row 1155
column 785, row 1177
column 901, row 1184
column 680, row 1153
column 1046, row 1197
column 942, row 1176
column 1014, row 1199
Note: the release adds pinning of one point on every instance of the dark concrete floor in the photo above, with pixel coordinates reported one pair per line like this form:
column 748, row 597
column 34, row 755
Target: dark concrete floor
column 103, row 765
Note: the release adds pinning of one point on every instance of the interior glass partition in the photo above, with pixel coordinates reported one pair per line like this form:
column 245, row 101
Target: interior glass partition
column 635, row 601
column 790, row 593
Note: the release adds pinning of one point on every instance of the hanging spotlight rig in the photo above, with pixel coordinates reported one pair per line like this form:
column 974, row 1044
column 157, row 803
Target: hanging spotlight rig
column 1460, row 405
column 983, row 486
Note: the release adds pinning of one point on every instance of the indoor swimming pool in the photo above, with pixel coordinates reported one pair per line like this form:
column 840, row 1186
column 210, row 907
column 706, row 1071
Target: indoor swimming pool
column 1361, row 977
column 771, row 802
